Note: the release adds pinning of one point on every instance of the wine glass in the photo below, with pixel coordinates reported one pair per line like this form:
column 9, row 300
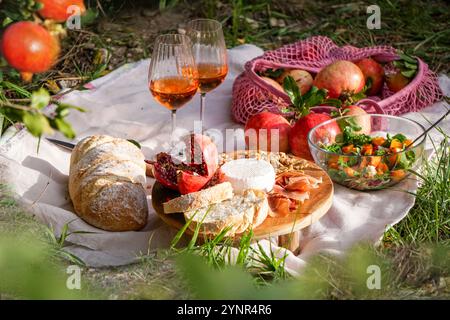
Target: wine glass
column 210, row 54
column 173, row 77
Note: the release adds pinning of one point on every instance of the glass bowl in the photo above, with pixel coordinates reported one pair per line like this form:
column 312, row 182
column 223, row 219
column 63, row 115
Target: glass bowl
column 368, row 172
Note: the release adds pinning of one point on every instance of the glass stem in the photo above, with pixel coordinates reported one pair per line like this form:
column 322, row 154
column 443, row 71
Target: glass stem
column 174, row 122
column 202, row 108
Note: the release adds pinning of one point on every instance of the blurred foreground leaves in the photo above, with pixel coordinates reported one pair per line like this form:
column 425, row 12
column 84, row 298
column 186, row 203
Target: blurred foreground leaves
column 348, row 277
column 28, row 271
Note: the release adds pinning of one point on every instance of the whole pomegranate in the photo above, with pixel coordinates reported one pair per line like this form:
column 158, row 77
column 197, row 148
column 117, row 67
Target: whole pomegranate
column 298, row 138
column 195, row 172
column 273, row 83
column 374, row 71
column 341, row 78
column 29, row 48
column 303, row 79
column 269, row 122
column 361, row 119
column 396, row 81
column 57, row 9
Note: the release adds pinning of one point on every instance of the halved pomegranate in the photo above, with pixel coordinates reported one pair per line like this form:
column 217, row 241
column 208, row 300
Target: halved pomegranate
column 202, row 161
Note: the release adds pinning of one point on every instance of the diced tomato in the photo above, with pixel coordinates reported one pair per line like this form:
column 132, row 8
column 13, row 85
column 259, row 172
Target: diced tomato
column 396, row 144
column 397, row 174
column 407, row 142
column 333, row 165
column 395, row 150
column 367, row 150
column 349, row 171
column 364, row 162
column 392, row 159
column 333, row 158
column 348, row 149
column 382, row 168
column 378, row 141
column 375, row 161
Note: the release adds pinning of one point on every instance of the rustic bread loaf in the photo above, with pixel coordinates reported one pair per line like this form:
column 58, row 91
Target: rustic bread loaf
column 239, row 213
column 199, row 199
column 107, row 183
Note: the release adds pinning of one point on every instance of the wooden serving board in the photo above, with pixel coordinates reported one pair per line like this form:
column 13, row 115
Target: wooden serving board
column 311, row 210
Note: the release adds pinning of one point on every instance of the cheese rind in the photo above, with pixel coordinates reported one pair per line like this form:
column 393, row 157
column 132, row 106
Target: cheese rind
column 238, row 213
column 244, row 174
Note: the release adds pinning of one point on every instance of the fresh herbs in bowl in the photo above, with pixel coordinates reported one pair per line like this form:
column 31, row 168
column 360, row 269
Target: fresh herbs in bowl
column 369, row 161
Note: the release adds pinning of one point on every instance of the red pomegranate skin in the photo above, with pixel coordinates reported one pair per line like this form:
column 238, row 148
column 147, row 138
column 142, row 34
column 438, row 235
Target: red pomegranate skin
column 268, row 120
column 57, row 9
column 29, row 47
column 374, row 71
column 396, row 81
column 298, row 138
column 340, row 77
column 362, row 119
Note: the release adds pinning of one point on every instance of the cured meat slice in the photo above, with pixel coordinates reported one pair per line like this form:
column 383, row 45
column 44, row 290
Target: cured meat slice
column 290, row 190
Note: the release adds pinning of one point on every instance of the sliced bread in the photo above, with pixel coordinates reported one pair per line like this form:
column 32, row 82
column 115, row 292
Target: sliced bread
column 199, row 199
column 239, row 213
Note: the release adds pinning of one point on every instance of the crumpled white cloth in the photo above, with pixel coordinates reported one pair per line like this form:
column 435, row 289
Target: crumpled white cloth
column 120, row 104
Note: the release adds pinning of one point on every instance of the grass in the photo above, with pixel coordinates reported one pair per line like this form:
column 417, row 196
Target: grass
column 418, row 27
column 429, row 219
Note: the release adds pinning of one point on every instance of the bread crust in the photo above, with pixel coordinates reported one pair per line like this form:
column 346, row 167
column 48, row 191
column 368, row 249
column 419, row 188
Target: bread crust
column 107, row 183
column 199, row 199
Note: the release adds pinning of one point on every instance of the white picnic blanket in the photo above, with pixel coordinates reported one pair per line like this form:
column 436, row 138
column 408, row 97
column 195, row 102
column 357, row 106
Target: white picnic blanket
column 120, row 104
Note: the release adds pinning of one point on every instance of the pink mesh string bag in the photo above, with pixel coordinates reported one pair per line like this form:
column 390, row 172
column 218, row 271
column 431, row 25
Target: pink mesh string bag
column 252, row 95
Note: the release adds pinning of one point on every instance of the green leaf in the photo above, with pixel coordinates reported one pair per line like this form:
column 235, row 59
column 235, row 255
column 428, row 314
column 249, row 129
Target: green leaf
column 65, row 128
column 2, row 120
column 311, row 92
column 137, row 144
column 272, row 73
column 6, row 21
column 407, row 58
column 62, row 113
column 40, row 99
column 400, row 137
column 18, row 89
column 398, row 64
column 411, row 65
column 368, row 85
column 409, row 73
column 70, row 106
column 292, row 90
column 89, row 17
column 194, row 238
column 334, row 103
column 181, row 232
column 349, row 137
column 316, row 99
column 36, row 123
column 357, row 96
column 63, row 235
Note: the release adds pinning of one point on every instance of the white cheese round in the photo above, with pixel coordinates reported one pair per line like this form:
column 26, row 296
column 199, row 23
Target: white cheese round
column 244, row 174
